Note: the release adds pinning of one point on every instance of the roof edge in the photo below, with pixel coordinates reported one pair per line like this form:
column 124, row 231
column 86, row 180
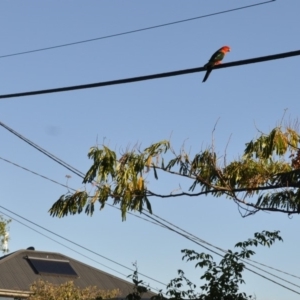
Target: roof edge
column 12, row 254
column 15, row 293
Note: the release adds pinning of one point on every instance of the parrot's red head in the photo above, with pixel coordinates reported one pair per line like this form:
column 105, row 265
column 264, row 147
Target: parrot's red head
column 225, row 49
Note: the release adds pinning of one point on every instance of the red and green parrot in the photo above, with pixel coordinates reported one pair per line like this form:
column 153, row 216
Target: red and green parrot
column 215, row 60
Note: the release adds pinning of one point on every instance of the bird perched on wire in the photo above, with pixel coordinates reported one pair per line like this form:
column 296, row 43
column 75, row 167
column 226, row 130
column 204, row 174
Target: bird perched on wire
column 215, row 60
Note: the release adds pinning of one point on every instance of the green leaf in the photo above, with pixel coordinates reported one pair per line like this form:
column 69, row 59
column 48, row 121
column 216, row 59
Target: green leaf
column 155, row 173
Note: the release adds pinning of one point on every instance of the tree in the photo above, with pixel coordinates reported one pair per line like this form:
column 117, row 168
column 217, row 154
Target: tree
column 221, row 280
column 43, row 290
column 268, row 172
column 265, row 178
column 4, row 234
column 139, row 287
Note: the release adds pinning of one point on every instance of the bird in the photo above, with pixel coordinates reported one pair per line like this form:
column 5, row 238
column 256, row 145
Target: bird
column 215, row 60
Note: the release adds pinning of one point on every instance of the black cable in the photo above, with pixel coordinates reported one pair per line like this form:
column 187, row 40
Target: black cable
column 188, row 236
column 153, row 76
column 134, row 31
column 69, row 188
column 223, row 250
column 81, row 174
column 37, row 174
column 45, row 152
column 133, row 270
column 195, row 238
column 167, row 227
column 250, row 270
column 57, row 242
column 78, row 245
column 48, row 237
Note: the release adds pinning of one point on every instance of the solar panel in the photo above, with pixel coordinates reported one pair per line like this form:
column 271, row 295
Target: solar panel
column 48, row 266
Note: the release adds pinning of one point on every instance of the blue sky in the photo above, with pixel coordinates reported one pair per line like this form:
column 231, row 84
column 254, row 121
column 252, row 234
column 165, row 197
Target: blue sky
column 242, row 99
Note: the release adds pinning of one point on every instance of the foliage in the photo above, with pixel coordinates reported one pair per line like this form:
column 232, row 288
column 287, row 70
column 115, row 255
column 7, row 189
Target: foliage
column 3, row 232
column 269, row 172
column 221, row 280
column 139, row 287
column 43, row 290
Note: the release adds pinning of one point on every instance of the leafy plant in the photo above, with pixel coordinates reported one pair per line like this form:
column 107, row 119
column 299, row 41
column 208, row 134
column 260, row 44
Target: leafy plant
column 43, row 290
column 222, row 280
column 4, row 232
column 269, row 171
column 139, row 287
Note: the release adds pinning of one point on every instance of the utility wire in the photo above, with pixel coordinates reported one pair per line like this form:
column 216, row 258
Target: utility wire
column 45, row 152
column 70, row 168
column 56, row 182
column 200, row 242
column 131, row 269
column 134, row 31
column 153, row 76
column 186, row 234
column 81, row 174
column 78, row 245
column 37, row 174
column 51, row 156
column 218, row 248
column 71, row 189
column 48, row 237
column 57, row 242
column 250, row 270
column 201, row 246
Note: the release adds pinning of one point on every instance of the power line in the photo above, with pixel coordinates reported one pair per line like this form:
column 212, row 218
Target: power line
column 45, row 152
column 186, row 234
column 139, row 272
column 218, row 248
column 35, row 173
column 69, row 188
column 51, row 156
column 134, row 31
column 81, row 174
column 57, row 242
column 56, row 182
column 78, row 245
column 194, row 239
column 153, row 76
column 48, row 237
column 132, row 269
column 250, row 270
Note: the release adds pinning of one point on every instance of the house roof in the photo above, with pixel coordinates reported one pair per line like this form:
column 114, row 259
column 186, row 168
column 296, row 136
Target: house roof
column 18, row 271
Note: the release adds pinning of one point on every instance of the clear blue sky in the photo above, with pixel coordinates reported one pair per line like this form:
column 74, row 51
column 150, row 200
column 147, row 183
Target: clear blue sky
column 67, row 124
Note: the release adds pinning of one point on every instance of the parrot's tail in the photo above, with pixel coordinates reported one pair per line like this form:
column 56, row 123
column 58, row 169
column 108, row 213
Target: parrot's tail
column 207, row 74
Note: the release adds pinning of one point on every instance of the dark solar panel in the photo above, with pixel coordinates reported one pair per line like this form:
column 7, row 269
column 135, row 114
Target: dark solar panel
column 47, row 266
